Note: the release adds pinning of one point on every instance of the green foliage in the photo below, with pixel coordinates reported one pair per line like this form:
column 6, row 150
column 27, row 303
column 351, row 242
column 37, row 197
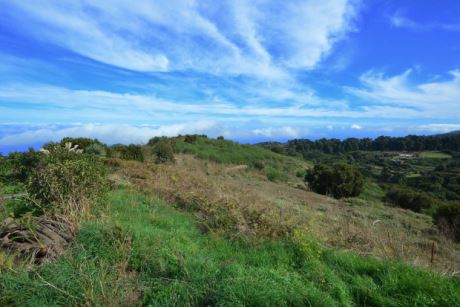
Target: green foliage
column 127, row 152
column 434, row 155
column 275, row 175
column 190, row 138
column 409, row 199
column 447, row 217
column 21, row 206
column 63, row 178
column 259, row 165
column 23, row 163
column 340, row 180
column 155, row 140
column 96, row 149
column 382, row 143
column 164, row 151
column 224, row 151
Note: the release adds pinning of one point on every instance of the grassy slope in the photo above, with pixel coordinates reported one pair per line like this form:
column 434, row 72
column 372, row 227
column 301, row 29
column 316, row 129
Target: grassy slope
column 277, row 167
column 144, row 251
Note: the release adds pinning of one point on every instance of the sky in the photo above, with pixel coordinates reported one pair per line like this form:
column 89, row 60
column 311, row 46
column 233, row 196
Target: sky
column 249, row 70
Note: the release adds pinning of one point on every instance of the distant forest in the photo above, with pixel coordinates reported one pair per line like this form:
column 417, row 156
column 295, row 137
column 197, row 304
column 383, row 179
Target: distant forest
column 444, row 142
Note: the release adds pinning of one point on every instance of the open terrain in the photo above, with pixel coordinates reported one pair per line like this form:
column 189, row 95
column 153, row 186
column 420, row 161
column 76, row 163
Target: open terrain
column 230, row 224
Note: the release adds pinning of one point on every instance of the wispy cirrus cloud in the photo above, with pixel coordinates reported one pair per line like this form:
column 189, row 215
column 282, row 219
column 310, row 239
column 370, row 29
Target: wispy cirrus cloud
column 44, row 103
column 438, row 128
column 432, row 98
column 261, row 38
column 399, row 21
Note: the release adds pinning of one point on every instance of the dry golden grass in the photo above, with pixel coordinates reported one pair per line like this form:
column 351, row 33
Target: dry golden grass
column 241, row 202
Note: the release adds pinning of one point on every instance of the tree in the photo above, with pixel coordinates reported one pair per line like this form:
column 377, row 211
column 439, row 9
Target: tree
column 340, row 180
column 447, row 217
column 164, row 151
column 130, row 152
column 410, row 199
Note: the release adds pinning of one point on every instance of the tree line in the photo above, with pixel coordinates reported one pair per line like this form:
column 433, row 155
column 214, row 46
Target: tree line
column 382, row 143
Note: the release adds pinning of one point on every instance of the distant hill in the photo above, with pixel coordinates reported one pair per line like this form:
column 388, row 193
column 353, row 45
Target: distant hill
column 451, row 133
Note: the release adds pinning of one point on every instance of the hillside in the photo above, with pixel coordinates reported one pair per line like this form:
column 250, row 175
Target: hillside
column 225, row 224
column 451, row 133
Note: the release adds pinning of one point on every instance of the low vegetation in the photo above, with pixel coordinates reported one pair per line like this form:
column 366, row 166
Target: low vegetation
column 419, row 173
column 145, row 252
column 340, row 180
column 275, row 166
column 197, row 221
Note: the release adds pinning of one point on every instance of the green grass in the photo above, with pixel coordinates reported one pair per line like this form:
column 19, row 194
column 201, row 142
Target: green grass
column 434, row 155
column 372, row 192
column 277, row 167
column 146, row 252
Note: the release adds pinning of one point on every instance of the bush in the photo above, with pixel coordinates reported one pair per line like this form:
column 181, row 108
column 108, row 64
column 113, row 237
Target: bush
column 190, row 138
column 447, row 217
column 164, row 151
column 340, row 180
column 23, row 163
column 276, row 176
column 96, row 149
column 259, row 165
column 410, row 199
column 130, row 152
column 153, row 141
column 65, row 181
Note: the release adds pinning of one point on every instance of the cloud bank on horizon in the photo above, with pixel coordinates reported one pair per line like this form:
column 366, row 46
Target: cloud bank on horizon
column 248, row 70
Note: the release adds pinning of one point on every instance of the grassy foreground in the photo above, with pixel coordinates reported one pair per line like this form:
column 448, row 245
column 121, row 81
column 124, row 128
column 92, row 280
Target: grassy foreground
column 141, row 251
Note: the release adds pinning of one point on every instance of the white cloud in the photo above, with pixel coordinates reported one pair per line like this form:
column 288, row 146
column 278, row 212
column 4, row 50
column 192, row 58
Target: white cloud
column 107, row 133
column 277, row 132
column 356, row 127
column 140, row 134
column 428, row 99
column 399, row 21
column 438, row 128
column 261, row 38
column 46, row 104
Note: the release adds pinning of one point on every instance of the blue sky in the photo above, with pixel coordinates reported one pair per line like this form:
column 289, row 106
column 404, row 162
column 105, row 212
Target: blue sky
column 125, row 71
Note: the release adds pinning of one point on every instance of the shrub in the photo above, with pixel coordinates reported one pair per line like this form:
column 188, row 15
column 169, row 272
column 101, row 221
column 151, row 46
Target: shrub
column 410, row 199
column 96, row 149
column 274, row 175
column 164, row 151
column 23, row 163
column 191, row 138
column 5, row 166
column 155, row 140
column 130, row 152
column 220, row 138
column 447, row 217
column 340, row 180
column 260, row 165
column 300, row 173
column 319, row 179
column 65, row 181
